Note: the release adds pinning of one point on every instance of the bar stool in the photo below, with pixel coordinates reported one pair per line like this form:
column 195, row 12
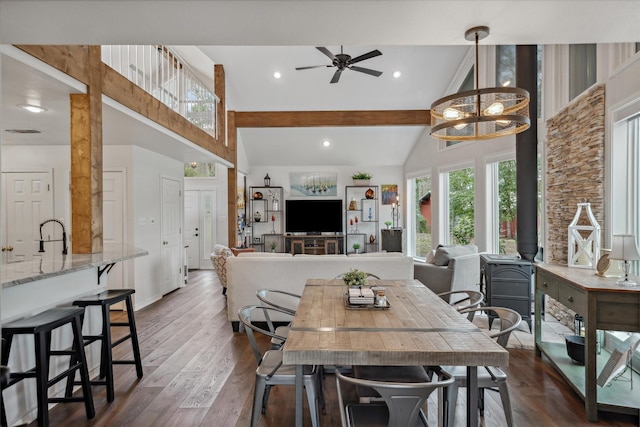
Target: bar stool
column 105, row 300
column 40, row 326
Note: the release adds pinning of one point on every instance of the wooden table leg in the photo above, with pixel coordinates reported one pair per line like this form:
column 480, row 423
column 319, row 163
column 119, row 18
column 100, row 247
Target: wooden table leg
column 472, row 396
column 299, row 394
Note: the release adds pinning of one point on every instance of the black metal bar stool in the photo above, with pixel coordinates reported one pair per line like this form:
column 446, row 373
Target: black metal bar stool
column 40, row 326
column 105, row 300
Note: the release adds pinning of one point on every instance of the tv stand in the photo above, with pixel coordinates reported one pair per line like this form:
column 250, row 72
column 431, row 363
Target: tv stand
column 318, row 244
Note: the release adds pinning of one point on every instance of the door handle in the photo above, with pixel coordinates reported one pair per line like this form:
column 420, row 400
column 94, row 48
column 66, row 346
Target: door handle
column 196, row 234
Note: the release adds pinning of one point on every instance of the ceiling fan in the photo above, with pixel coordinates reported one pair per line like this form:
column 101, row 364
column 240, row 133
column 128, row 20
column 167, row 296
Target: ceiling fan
column 343, row 61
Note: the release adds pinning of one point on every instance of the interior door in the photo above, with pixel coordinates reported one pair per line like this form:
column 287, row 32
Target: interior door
column 171, row 234
column 192, row 227
column 28, row 201
column 114, row 221
column 208, row 236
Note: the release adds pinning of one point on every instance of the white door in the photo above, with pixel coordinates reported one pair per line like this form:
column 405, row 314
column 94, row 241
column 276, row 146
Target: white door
column 28, row 201
column 171, row 223
column 208, row 236
column 192, row 227
column 114, row 221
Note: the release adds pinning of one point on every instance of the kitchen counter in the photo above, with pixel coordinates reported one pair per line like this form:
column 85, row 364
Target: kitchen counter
column 49, row 264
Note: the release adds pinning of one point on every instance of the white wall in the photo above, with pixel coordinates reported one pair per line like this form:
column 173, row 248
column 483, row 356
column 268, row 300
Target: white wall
column 148, row 170
column 380, row 175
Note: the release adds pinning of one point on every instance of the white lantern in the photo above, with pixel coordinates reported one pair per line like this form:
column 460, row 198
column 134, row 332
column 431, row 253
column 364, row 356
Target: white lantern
column 584, row 240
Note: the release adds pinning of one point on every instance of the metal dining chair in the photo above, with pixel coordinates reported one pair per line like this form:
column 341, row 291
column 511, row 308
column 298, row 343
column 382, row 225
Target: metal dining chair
column 400, row 403
column 473, row 300
column 271, row 371
column 488, row 377
column 284, row 301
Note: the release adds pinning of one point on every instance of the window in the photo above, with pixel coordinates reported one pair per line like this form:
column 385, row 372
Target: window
column 458, row 190
column 200, row 170
column 421, row 216
column 467, row 84
column 507, row 203
column 506, row 70
column 582, row 68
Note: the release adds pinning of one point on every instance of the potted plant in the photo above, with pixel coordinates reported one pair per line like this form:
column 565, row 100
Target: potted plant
column 361, row 178
column 273, row 246
column 388, row 224
column 355, row 277
column 356, row 247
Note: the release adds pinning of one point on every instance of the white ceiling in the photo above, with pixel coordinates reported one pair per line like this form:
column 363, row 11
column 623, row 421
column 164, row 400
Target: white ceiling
column 422, row 39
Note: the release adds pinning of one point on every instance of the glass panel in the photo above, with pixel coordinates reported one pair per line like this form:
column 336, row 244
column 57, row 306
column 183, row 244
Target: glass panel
column 582, row 68
column 461, row 206
column 507, row 202
column 200, row 170
column 422, row 212
column 208, row 223
column 506, row 65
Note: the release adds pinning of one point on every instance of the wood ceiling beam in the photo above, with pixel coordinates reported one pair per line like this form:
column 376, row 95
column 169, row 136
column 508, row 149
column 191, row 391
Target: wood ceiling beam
column 270, row 119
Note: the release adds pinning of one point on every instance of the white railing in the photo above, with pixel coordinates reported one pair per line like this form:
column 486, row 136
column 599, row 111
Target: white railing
column 163, row 74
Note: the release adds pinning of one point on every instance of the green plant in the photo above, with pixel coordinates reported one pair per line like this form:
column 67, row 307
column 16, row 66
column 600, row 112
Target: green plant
column 387, row 223
column 354, row 277
column 273, row 246
column 360, row 175
column 356, row 246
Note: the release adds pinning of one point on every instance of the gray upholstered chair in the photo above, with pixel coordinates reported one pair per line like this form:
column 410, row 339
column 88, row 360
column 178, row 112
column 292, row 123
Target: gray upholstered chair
column 473, row 299
column 271, row 371
column 488, row 377
column 399, row 405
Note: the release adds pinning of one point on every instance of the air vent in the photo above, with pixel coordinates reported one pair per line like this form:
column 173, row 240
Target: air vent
column 22, row 131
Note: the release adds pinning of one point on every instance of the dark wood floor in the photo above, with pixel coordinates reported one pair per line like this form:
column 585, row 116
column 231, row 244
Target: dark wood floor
column 197, row 372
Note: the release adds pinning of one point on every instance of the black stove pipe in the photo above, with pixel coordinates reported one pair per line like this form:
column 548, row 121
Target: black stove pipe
column 527, row 156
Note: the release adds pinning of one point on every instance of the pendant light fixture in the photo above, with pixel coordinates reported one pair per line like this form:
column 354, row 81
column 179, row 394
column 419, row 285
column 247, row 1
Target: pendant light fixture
column 480, row 113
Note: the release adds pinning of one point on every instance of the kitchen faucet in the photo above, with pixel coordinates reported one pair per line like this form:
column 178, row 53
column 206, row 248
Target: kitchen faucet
column 64, row 236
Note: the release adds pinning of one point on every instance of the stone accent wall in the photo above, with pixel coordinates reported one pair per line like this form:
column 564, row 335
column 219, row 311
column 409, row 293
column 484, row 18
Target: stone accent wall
column 575, row 173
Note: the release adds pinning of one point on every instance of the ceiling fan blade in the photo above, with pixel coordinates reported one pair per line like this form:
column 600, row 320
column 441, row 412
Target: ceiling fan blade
column 313, row 66
column 336, row 76
column 367, row 71
column 371, row 54
column 326, row 52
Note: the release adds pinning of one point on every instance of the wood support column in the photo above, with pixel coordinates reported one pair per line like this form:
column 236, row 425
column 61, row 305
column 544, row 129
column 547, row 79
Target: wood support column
column 86, row 161
column 232, row 180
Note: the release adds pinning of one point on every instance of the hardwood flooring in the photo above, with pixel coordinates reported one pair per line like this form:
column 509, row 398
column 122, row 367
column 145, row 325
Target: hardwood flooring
column 197, row 372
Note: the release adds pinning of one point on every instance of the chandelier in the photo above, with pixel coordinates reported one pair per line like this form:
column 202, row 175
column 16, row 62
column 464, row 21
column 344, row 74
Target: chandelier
column 480, row 113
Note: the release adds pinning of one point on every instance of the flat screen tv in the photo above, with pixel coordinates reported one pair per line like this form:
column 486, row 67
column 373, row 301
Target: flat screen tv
column 313, row 216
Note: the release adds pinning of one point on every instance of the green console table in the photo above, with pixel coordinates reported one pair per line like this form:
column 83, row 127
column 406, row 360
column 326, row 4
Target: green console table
column 604, row 305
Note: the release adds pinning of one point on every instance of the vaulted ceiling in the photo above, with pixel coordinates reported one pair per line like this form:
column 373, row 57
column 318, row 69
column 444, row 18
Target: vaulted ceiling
column 424, row 40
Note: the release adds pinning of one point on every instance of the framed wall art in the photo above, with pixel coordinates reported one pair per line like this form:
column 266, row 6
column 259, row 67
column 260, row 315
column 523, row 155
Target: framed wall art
column 314, row 184
column 389, row 193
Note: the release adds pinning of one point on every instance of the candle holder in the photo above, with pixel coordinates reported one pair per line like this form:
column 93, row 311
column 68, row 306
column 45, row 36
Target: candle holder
column 395, row 214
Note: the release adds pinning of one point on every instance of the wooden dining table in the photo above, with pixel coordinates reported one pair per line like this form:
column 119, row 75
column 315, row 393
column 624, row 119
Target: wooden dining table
column 418, row 328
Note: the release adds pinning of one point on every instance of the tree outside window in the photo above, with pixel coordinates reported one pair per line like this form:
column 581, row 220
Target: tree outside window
column 461, row 206
column 507, row 204
column 422, row 213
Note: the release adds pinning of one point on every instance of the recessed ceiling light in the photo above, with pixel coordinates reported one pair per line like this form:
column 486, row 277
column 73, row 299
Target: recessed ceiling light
column 397, row 74
column 32, row 108
column 326, row 143
column 277, row 75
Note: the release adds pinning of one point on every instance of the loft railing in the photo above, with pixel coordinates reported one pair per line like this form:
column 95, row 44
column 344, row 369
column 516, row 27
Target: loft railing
column 163, row 74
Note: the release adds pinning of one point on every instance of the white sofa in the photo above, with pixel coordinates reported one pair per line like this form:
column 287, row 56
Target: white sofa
column 249, row 272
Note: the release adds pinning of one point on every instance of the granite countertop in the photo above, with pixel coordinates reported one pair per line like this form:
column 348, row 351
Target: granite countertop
column 51, row 264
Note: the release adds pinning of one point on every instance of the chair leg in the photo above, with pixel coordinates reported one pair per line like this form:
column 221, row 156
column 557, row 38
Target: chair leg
column 312, row 398
column 42, row 354
column 481, row 401
column 78, row 343
column 134, row 337
column 258, row 396
column 506, row 403
column 106, row 359
column 452, row 398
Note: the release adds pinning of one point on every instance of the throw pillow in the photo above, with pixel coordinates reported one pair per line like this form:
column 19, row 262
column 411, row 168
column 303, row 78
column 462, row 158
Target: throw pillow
column 444, row 253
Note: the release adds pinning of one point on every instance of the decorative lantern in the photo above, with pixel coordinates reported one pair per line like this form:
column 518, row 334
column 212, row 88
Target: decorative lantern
column 584, row 240
column 267, row 181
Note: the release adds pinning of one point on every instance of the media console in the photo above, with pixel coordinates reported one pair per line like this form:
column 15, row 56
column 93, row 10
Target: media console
column 323, row 244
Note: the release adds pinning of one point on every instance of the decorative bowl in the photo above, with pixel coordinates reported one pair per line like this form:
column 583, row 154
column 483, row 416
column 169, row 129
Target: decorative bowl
column 575, row 348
